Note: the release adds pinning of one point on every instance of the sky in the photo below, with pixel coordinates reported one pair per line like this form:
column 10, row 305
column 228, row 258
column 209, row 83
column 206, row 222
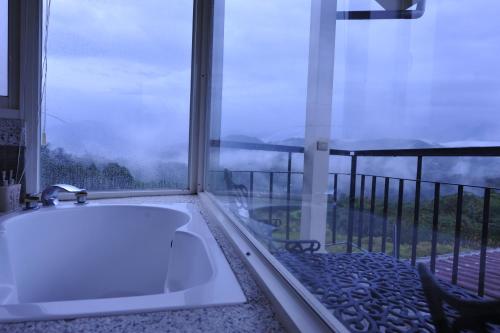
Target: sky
column 118, row 79
column 435, row 78
column 118, row 75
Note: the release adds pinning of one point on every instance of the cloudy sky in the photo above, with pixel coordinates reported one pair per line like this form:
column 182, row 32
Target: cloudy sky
column 119, row 72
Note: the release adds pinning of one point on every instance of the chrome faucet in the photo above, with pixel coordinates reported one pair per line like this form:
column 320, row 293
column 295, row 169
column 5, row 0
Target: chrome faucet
column 50, row 196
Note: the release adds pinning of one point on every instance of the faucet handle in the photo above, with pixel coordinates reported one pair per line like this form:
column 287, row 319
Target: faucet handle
column 31, row 201
column 81, row 197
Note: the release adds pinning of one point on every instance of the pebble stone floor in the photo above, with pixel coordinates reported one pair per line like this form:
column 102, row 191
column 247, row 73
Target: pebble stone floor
column 256, row 315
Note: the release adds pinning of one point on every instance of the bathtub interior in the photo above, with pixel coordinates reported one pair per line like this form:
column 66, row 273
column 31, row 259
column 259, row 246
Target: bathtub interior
column 100, row 252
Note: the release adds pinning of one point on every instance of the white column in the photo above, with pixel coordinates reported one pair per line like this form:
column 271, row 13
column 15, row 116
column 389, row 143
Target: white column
column 318, row 119
column 30, row 74
column 216, row 82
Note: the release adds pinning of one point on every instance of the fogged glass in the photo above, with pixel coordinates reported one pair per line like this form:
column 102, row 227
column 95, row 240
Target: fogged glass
column 4, row 23
column 363, row 217
column 116, row 112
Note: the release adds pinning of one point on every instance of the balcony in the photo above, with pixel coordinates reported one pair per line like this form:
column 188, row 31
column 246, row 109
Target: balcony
column 379, row 227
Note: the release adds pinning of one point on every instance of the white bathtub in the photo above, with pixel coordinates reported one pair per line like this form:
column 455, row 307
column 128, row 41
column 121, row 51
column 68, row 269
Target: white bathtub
column 72, row 261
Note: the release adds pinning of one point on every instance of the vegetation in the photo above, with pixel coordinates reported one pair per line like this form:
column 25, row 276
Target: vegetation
column 59, row 166
column 472, row 217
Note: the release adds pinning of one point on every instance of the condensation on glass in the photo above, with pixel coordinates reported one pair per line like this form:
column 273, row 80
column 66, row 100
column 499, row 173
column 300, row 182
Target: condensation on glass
column 4, row 71
column 116, row 112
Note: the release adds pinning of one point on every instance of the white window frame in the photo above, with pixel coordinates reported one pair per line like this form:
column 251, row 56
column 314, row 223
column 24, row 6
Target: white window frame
column 31, row 44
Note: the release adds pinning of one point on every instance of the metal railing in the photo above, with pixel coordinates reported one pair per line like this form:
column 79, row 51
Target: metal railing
column 368, row 204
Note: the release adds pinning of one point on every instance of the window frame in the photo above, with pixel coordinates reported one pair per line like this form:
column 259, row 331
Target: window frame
column 200, row 50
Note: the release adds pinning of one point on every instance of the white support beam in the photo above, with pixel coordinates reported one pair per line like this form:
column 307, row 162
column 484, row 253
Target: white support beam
column 214, row 97
column 30, row 63
column 200, row 78
column 318, row 119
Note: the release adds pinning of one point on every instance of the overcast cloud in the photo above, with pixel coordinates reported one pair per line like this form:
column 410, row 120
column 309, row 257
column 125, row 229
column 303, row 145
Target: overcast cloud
column 119, row 72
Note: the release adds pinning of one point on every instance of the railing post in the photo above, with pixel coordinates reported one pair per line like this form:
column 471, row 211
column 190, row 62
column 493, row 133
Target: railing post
column 458, row 226
column 384, row 214
column 484, row 241
column 352, row 201
column 397, row 236
column 251, row 190
column 416, row 212
column 372, row 213
column 435, row 221
column 361, row 208
column 334, row 209
column 288, row 187
column 271, row 183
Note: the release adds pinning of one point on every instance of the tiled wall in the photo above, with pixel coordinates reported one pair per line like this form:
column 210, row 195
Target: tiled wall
column 11, row 132
column 12, row 141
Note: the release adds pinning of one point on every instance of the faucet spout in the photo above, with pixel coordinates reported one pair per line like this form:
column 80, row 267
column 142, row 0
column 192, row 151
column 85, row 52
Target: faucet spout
column 50, row 196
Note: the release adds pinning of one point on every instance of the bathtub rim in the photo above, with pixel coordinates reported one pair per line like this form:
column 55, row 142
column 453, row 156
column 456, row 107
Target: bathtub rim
column 215, row 285
column 13, row 216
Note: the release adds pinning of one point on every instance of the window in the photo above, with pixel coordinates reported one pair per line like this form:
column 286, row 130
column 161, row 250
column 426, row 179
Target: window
column 439, row 82
column 117, row 100
column 4, row 49
column 406, row 77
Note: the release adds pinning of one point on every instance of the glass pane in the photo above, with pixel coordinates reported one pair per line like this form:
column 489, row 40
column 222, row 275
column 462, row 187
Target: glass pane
column 259, row 93
column 116, row 113
column 268, row 105
column 352, row 218
column 418, row 83
column 421, row 83
column 4, row 23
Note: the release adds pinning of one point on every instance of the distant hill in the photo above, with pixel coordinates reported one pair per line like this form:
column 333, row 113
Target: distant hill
column 472, row 143
column 463, row 170
column 384, row 143
column 365, row 144
column 381, row 144
column 242, row 138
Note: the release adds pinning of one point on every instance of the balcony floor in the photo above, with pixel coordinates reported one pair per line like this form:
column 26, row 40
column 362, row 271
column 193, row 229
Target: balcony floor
column 367, row 292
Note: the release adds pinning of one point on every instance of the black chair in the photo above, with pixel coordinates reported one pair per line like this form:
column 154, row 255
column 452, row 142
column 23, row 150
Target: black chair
column 263, row 229
column 473, row 315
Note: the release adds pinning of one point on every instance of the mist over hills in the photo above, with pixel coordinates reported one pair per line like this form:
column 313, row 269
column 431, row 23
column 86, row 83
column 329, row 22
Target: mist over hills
column 166, row 168
column 366, row 144
column 480, row 171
